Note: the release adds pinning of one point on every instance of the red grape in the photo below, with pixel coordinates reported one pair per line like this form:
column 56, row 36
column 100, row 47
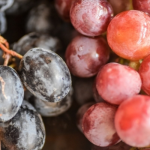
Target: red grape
column 132, row 121
column 143, row 5
column 96, row 96
column 98, row 124
column 63, row 8
column 92, row 17
column 81, row 113
column 128, row 35
column 118, row 146
column 85, row 56
column 119, row 5
column 144, row 72
column 115, row 83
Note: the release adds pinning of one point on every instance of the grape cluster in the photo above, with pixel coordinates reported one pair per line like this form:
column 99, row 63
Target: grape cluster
column 95, row 52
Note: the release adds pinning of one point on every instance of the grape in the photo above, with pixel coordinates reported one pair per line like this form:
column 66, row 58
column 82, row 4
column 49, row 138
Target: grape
column 91, row 18
column 48, row 109
column 80, row 114
column 142, row 5
column 45, row 75
column 96, row 96
column 119, row 5
column 128, row 34
column 118, row 146
column 3, row 23
column 98, row 124
column 42, row 19
column 115, row 83
column 85, row 56
column 83, row 90
column 34, row 39
column 132, row 121
column 19, row 6
column 144, row 72
column 11, row 93
column 63, row 8
column 25, row 131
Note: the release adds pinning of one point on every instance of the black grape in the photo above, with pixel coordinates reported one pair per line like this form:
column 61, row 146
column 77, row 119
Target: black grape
column 11, row 93
column 25, row 131
column 49, row 109
column 34, row 39
column 45, row 75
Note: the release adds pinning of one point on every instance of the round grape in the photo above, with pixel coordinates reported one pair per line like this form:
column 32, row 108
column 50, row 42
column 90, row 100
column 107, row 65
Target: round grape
column 115, row 83
column 98, row 124
column 45, row 75
column 132, row 121
column 91, row 18
column 11, row 93
column 128, row 34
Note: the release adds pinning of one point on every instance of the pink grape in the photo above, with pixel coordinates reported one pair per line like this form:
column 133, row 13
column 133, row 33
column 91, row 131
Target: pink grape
column 119, row 146
column 128, row 34
column 144, row 72
column 98, row 124
column 85, row 56
column 80, row 114
column 132, row 121
column 115, row 83
column 91, row 17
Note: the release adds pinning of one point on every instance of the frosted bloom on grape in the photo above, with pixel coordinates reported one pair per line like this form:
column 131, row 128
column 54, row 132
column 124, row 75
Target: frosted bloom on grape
column 98, row 124
column 115, row 83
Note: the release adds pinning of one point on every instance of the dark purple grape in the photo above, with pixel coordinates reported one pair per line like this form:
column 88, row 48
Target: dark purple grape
column 11, row 93
column 3, row 26
column 45, row 75
column 83, row 90
column 48, row 109
column 25, row 131
column 19, row 6
column 42, row 19
column 33, row 40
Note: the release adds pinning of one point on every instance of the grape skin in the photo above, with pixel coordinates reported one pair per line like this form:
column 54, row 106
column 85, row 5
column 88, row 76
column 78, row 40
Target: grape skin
column 144, row 72
column 45, row 75
column 11, row 93
column 142, row 5
column 63, row 8
column 91, row 18
column 80, row 113
column 33, row 40
column 98, row 124
column 49, row 109
column 84, row 56
column 119, row 146
column 119, row 5
column 115, row 83
column 25, row 131
column 132, row 121
column 128, row 34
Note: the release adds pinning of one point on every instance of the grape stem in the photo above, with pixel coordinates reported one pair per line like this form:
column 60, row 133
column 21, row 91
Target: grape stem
column 6, row 57
column 5, row 47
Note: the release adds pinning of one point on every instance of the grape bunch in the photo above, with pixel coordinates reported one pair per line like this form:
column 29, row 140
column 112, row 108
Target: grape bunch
column 92, row 56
